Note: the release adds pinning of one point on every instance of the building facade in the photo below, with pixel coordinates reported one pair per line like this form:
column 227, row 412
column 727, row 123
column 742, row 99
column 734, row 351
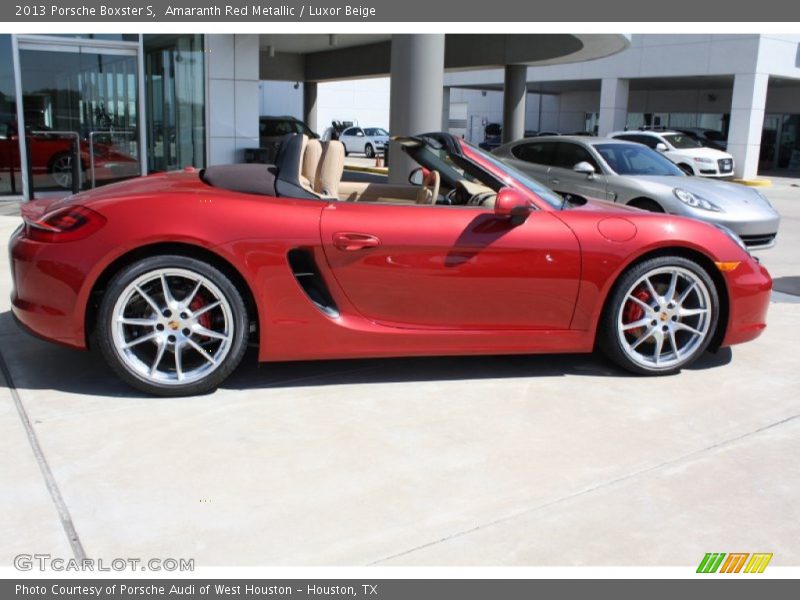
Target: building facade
column 745, row 86
column 127, row 104
column 78, row 111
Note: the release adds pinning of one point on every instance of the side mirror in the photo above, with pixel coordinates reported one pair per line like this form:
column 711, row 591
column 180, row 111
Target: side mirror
column 417, row 176
column 661, row 147
column 513, row 205
column 584, row 168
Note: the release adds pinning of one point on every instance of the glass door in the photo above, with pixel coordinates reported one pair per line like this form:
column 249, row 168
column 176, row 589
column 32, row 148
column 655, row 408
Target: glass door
column 174, row 75
column 79, row 100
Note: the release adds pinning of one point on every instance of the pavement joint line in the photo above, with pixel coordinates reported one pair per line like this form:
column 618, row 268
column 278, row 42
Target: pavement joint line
column 589, row 490
column 52, row 486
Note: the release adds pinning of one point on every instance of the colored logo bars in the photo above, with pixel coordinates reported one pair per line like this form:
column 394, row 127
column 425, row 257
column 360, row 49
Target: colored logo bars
column 714, row 562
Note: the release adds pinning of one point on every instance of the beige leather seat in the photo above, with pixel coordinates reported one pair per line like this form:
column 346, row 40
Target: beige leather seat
column 330, row 169
column 310, row 164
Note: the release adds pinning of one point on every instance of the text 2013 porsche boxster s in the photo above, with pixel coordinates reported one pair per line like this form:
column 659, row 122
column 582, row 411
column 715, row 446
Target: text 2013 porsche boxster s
column 171, row 275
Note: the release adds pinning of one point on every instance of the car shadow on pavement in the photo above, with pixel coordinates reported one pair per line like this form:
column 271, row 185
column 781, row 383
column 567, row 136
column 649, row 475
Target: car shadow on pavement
column 38, row 365
column 787, row 285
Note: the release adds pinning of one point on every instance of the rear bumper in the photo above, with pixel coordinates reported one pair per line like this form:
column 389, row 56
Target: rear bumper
column 45, row 292
column 749, row 287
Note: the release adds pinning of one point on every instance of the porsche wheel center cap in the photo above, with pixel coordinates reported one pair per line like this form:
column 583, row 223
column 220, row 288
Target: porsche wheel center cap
column 174, row 325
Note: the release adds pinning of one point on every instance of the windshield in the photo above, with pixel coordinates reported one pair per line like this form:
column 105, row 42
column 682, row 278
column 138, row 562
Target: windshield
column 635, row 159
column 681, row 140
column 375, row 131
column 532, row 185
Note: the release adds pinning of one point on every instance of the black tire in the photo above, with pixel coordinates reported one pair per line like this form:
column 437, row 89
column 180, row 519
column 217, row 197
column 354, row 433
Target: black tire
column 239, row 324
column 686, row 169
column 369, row 151
column 647, row 204
column 610, row 337
column 346, row 152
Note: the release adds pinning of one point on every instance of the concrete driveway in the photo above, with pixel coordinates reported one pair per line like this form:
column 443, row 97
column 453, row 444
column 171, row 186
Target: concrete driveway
column 438, row 461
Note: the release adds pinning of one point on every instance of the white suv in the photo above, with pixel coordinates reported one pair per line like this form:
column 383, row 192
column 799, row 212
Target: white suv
column 686, row 152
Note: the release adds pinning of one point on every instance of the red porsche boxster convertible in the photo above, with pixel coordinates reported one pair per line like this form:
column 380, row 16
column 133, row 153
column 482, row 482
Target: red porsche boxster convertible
column 171, row 275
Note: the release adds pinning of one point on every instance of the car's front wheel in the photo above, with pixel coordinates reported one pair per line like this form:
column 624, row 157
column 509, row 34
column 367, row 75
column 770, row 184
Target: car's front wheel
column 369, row 151
column 172, row 326
column 660, row 316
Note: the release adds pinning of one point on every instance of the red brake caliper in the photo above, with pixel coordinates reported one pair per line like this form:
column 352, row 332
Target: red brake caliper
column 196, row 304
column 634, row 312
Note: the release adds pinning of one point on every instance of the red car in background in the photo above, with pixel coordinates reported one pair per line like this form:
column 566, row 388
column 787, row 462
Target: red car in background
column 52, row 155
column 172, row 275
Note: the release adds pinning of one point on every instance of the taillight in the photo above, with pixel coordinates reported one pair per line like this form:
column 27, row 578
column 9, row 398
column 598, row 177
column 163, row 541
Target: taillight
column 64, row 225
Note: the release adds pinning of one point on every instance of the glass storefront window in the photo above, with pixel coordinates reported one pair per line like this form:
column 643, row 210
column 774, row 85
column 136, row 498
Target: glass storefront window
column 108, row 37
column 80, row 101
column 174, row 83
column 789, row 150
column 10, row 182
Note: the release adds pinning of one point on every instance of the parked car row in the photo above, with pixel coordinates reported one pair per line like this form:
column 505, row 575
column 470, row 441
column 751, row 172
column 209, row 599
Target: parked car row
column 692, row 157
column 368, row 141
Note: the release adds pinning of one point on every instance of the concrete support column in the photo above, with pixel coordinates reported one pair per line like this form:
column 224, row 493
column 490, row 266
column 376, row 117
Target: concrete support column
column 310, row 105
column 515, row 92
column 232, row 96
column 417, row 83
column 446, row 109
column 613, row 106
column 747, row 121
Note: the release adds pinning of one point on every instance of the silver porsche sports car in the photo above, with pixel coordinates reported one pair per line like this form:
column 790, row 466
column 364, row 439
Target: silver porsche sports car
column 633, row 174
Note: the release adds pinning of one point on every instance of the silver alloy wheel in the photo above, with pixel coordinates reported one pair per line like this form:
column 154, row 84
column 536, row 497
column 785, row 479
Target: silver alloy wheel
column 61, row 171
column 172, row 326
column 664, row 318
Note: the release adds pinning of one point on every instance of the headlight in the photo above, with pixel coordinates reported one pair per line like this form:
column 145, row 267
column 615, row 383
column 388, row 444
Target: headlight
column 734, row 238
column 690, row 199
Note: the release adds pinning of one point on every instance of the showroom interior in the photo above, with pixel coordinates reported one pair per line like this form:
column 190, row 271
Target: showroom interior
column 137, row 104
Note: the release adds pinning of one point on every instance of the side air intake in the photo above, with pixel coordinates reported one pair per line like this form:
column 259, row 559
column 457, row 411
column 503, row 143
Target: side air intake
column 308, row 276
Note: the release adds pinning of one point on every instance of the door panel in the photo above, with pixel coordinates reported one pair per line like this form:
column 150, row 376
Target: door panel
column 453, row 268
column 570, row 182
column 563, row 178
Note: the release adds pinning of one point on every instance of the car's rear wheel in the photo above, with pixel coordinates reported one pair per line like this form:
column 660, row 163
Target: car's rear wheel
column 61, row 170
column 369, row 151
column 660, row 317
column 172, row 326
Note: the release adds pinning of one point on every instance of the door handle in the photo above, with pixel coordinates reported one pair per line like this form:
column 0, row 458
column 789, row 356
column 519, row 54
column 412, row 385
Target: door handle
column 554, row 181
column 350, row 242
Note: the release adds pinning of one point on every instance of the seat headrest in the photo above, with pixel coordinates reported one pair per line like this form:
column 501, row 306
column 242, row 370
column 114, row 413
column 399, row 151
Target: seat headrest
column 330, row 170
column 311, row 158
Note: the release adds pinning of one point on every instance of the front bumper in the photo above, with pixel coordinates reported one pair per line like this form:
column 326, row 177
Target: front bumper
column 757, row 228
column 749, row 290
